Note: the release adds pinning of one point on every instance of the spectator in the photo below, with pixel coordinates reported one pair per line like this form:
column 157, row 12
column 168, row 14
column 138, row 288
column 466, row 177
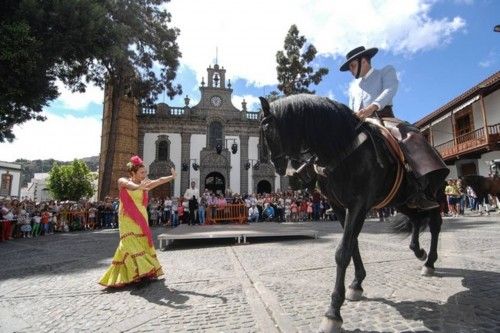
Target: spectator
column 193, row 210
column 268, row 212
column 253, row 214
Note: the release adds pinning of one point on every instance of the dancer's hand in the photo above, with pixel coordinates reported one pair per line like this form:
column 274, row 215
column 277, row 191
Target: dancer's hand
column 173, row 173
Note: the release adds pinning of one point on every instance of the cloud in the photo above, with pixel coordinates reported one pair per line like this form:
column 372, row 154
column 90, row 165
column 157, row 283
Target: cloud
column 60, row 137
column 489, row 60
column 248, row 34
column 79, row 101
column 253, row 102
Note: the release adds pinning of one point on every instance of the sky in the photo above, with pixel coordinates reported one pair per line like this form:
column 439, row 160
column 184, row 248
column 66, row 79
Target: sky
column 440, row 49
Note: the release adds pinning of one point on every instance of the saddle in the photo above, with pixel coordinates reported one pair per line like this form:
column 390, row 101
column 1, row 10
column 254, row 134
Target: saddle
column 391, row 134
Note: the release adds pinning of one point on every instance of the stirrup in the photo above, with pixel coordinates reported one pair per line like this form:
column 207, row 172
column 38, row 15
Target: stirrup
column 420, row 202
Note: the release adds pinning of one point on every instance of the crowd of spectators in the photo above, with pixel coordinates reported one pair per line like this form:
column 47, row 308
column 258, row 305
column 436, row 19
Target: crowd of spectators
column 290, row 206
column 26, row 218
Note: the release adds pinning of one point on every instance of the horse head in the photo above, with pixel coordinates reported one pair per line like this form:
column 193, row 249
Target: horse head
column 269, row 129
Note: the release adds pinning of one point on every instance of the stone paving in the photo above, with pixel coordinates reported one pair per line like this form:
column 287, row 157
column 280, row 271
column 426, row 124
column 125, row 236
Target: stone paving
column 49, row 284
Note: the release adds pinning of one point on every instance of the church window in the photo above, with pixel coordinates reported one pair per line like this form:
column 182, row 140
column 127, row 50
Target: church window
column 163, row 148
column 215, row 134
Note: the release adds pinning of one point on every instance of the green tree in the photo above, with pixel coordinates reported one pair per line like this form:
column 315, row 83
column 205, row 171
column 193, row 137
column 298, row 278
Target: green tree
column 127, row 44
column 70, row 182
column 295, row 74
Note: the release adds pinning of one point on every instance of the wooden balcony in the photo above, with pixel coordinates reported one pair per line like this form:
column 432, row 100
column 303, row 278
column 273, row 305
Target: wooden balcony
column 475, row 141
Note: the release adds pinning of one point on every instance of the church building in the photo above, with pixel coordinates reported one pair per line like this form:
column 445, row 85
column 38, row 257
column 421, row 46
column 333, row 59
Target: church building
column 213, row 143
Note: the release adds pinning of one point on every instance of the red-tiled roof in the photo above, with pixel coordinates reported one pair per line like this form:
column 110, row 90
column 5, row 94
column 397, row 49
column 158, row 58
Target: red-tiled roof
column 479, row 88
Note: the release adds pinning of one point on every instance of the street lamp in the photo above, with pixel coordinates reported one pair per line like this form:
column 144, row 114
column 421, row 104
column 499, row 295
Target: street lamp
column 496, row 28
column 234, row 146
column 195, row 165
column 252, row 163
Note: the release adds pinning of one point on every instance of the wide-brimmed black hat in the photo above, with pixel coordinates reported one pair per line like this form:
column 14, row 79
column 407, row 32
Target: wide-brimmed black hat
column 356, row 53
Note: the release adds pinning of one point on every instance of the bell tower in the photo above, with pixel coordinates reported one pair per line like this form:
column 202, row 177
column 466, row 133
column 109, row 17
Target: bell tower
column 119, row 141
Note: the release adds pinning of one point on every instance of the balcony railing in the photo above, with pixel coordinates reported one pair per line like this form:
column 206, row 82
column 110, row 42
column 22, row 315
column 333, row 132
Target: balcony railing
column 252, row 115
column 469, row 142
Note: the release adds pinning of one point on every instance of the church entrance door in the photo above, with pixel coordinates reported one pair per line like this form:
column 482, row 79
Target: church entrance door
column 215, row 182
column 264, row 187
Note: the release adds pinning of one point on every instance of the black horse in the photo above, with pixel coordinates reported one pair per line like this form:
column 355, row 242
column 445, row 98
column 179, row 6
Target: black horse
column 482, row 186
column 357, row 172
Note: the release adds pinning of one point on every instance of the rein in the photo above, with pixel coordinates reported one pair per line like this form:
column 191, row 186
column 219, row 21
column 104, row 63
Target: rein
column 357, row 142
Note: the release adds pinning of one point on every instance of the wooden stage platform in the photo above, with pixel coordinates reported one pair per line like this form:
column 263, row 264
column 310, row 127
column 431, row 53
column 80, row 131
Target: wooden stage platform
column 237, row 231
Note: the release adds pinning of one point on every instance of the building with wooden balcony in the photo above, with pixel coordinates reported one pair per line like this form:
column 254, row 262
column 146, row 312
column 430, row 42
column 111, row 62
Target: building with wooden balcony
column 466, row 130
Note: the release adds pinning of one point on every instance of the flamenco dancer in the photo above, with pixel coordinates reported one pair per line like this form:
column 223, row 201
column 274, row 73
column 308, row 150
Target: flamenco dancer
column 135, row 258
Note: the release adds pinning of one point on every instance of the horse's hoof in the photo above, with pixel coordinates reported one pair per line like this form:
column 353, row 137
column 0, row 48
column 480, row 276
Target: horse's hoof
column 330, row 326
column 423, row 257
column 427, row 271
column 353, row 294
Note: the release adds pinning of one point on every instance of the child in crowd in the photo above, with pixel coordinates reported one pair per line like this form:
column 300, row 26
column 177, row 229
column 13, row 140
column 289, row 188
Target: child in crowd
column 24, row 220
column 45, row 221
column 91, row 221
column 36, row 224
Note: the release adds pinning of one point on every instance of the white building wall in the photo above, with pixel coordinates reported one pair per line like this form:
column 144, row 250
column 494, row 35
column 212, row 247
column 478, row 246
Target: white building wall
column 175, row 153
column 277, row 183
column 442, row 131
column 477, row 115
column 253, row 154
column 483, row 165
column 492, row 107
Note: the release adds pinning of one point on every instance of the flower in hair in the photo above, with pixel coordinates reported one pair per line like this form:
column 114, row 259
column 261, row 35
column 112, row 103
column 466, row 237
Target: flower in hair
column 136, row 160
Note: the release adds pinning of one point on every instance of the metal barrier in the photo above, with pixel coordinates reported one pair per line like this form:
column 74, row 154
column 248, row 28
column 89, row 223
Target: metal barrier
column 231, row 213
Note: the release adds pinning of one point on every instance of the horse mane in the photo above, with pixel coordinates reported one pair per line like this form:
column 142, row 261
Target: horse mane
column 310, row 121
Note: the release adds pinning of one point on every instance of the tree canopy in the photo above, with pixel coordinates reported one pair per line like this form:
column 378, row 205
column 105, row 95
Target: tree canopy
column 295, row 74
column 78, row 42
column 70, row 182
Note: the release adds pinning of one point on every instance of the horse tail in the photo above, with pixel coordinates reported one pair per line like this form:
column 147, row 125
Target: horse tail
column 402, row 223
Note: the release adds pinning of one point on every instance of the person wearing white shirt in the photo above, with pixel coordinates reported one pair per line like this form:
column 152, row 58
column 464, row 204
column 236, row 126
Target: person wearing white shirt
column 253, row 214
column 192, row 191
column 372, row 96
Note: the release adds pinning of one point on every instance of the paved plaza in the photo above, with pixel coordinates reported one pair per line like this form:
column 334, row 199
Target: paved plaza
column 49, row 284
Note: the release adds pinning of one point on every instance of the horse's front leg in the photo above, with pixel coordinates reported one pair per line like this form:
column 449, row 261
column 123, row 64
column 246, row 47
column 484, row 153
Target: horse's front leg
column 435, row 228
column 415, row 244
column 352, row 227
column 355, row 290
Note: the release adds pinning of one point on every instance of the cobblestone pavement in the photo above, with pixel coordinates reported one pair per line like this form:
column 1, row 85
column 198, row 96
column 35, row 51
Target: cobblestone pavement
column 50, row 284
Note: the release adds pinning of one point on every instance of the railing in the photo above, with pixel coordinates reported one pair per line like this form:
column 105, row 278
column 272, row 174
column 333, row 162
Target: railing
column 252, row 115
column 148, row 110
column 469, row 141
column 176, row 111
column 231, row 213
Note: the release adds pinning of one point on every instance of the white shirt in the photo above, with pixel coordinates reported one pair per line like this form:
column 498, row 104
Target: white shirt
column 188, row 195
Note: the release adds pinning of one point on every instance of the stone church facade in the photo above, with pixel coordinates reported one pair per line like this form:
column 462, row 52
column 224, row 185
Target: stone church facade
column 213, row 143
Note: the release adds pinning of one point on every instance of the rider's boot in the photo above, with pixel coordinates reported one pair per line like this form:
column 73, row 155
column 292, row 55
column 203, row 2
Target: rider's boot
column 418, row 200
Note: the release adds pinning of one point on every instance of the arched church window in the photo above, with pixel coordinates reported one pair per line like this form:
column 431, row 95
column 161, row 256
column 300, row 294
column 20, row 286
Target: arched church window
column 215, row 134
column 163, row 148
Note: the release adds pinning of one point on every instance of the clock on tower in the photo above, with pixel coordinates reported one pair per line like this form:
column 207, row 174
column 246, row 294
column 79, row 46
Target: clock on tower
column 216, row 101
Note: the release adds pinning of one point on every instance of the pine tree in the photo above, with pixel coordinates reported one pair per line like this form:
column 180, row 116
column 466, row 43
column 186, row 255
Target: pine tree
column 295, row 74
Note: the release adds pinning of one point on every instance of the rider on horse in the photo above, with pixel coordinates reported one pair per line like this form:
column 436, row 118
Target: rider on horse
column 372, row 98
